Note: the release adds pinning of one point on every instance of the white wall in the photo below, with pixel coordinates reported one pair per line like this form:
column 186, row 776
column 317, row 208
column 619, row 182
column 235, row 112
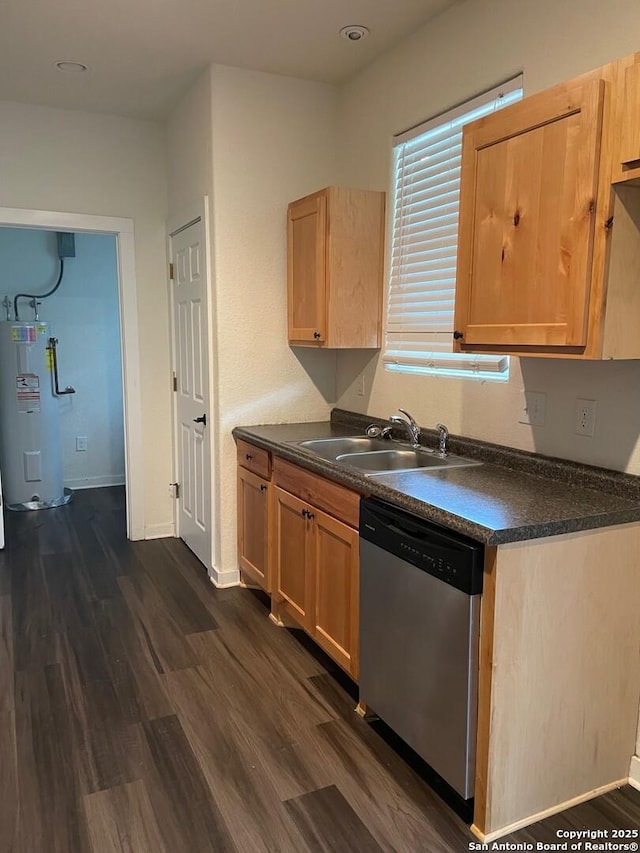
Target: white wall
column 84, row 163
column 259, row 142
column 273, row 141
column 467, row 49
column 83, row 314
column 189, row 160
column 190, row 178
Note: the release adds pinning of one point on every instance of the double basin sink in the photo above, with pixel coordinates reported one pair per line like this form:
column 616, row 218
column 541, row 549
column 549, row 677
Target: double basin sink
column 374, row 456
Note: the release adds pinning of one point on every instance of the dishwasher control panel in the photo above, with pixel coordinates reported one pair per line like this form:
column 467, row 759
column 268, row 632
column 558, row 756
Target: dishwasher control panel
column 455, row 559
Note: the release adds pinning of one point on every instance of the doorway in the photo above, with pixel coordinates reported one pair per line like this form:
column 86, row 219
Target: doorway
column 121, row 230
column 81, row 312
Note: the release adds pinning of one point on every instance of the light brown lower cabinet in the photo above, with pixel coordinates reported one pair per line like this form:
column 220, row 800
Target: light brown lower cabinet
column 254, row 528
column 336, row 576
column 316, row 563
column 254, row 515
column 292, row 546
column 298, row 540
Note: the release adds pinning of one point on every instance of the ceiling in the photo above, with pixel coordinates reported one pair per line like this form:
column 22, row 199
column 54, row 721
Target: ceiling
column 143, row 54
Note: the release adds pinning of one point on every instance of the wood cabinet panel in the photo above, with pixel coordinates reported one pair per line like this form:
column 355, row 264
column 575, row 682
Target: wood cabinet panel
column 628, row 160
column 527, row 215
column 335, row 260
column 548, row 253
column 331, row 497
column 581, row 704
column 306, row 268
column 294, row 580
column 254, row 528
column 317, row 560
column 254, row 459
column 337, row 585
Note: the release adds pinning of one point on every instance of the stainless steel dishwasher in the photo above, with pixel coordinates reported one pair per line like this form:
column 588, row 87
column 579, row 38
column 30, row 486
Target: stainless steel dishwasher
column 420, row 588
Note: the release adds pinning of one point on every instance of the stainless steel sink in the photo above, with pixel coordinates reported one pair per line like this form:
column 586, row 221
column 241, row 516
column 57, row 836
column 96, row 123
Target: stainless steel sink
column 401, row 459
column 379, row 456
column 331, row 448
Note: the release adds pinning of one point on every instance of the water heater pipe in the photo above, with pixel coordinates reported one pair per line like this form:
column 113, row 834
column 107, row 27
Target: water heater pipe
column 54, row 358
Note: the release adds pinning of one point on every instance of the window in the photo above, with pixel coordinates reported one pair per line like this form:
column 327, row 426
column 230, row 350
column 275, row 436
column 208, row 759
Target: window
column 419, row 327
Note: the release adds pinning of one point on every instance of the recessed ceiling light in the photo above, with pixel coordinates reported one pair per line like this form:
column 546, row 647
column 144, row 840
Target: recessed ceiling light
column 354, row 33
column 71, row 67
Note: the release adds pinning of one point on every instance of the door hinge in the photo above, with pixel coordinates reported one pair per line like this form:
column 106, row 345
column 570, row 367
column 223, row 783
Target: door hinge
column 175, row 490
column 171, row 271
column 175, row 381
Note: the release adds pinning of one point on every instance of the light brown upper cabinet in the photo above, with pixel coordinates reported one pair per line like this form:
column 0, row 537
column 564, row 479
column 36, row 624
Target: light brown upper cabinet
column 548, row 252
column 335, row 249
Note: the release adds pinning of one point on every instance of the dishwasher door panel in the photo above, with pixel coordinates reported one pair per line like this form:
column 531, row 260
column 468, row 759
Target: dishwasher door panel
column 419, row 661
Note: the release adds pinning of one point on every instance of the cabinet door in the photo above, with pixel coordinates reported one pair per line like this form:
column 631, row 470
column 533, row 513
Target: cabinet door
column 254, row 525
column 293, row 529
column 527, row 216
column 306, row 269
column 336, row 598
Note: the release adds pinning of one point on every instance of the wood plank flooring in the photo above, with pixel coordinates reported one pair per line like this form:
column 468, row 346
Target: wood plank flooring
column 142, row 710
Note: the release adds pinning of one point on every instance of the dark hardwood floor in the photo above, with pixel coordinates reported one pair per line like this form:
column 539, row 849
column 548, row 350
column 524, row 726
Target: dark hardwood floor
column 142, row 710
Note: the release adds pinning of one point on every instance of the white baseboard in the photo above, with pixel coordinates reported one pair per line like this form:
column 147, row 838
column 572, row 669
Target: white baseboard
column 159, row 531
column 95, row 482
column 487, row 837
column 634, row 772
column 221, row 580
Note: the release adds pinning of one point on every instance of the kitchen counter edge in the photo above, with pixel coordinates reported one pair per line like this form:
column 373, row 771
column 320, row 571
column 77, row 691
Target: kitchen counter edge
column 371, row 487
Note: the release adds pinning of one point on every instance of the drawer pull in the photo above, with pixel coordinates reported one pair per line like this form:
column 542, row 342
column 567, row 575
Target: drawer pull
column 248, row 457
column 263, row 488
column 306, row 514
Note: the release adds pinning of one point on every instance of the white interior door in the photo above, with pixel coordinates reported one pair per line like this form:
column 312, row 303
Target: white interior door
column 192, row 392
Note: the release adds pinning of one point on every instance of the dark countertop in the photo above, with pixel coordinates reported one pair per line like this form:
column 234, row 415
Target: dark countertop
column 512, row 496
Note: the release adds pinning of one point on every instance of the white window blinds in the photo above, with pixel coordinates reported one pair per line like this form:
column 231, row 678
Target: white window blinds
column 419, row 326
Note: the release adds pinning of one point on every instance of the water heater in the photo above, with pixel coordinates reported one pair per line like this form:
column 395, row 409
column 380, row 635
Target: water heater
column 30, row 449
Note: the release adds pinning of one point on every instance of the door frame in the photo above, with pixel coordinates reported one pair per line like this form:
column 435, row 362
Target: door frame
column 199, row 210
column 122, row 230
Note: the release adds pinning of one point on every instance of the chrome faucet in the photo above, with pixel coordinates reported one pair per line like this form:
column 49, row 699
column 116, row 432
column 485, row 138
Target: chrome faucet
column 442, row 440
column 409, row 424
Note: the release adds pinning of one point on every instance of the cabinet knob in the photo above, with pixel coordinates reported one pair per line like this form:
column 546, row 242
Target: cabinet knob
column 248, row 457
column 457, row 336
column 263, row 488
column 317, row 335
column 306, row 514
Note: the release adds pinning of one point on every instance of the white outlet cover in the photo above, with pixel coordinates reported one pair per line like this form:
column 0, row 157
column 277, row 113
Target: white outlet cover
column 534, row 405
column 585, row 417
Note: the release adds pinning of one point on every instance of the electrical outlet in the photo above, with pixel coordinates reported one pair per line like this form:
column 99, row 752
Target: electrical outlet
column 534, row 408
column 361, row 386
column 81, row 442
column 585, row 417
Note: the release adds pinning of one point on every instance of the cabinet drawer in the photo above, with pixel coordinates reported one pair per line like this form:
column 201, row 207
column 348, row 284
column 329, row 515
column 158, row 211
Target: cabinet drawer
column 254, row 459
column 333, row 498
